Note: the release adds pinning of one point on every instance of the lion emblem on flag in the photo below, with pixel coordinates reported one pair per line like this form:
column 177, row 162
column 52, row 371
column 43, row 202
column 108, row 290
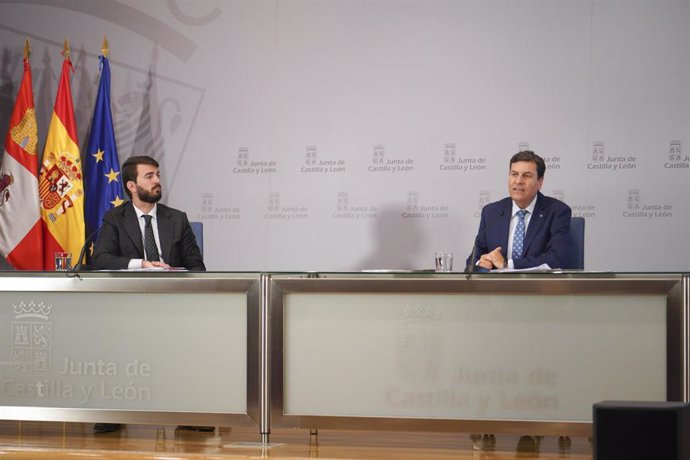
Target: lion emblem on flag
column 5, row 181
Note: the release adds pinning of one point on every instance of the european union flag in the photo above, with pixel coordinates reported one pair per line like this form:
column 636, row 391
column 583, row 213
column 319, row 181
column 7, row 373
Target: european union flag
column 102, row 180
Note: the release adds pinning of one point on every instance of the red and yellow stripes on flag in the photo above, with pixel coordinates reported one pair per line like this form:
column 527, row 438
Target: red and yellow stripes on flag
column 21, row 239
column 61, row 187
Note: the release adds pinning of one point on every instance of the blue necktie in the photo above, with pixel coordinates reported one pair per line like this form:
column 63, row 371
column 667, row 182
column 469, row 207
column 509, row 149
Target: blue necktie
column 519, row 237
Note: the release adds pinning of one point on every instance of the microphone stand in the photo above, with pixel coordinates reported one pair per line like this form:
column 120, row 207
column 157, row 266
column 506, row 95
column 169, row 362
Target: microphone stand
column 470, row 268
column 73, row 272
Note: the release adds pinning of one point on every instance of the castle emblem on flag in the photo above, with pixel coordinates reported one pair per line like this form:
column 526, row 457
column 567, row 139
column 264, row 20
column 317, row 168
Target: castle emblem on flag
column 5, row 181
column 32, row 337
column 25, row 134
column 62, row 184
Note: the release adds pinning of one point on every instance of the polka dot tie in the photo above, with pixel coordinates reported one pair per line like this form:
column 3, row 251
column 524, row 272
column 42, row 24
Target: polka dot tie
column 149, row 241
column 519, row 237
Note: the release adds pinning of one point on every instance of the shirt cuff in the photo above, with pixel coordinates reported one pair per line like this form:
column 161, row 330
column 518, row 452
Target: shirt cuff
column 135, row 263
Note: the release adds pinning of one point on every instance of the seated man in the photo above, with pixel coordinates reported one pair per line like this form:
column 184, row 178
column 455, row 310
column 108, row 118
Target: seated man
column 526, row 229
column 143, row 233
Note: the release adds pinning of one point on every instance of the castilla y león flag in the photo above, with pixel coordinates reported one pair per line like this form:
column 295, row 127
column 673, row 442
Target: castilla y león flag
column 21, row 240
column 61, row 187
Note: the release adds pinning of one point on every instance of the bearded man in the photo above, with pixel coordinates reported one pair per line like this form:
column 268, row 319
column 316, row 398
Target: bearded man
column 143, row 233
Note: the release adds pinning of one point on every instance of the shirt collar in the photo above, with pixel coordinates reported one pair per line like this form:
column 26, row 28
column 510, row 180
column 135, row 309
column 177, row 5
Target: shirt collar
column 529, row 208
column 140, row 213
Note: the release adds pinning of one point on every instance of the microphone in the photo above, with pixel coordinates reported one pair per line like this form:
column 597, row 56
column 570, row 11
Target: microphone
column 470, row 267
column 79, row 264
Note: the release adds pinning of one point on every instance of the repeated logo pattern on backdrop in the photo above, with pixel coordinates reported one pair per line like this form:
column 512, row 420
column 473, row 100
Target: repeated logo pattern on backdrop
column 606, row 161
column 676, row 159
column 453, row 162
column 296, row 157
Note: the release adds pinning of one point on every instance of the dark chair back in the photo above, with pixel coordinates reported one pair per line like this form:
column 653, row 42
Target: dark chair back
column 198, row 229
column 577, row 244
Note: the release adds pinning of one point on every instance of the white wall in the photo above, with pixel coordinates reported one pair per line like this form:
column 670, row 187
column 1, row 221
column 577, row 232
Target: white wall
column 205, row 85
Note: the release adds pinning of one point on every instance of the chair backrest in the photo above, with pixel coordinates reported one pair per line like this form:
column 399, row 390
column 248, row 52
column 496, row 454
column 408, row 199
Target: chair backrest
column 198, row 229
column 577, row 244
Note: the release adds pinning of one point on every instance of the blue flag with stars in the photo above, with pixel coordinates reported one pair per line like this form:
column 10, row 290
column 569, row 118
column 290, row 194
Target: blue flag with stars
column 102, row 182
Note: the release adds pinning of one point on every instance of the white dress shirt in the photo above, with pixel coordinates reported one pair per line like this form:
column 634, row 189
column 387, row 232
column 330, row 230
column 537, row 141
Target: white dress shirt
column 513, row 223
column 137, row 263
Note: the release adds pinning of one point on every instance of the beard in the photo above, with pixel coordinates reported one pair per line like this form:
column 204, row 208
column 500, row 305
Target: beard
column 153, row 196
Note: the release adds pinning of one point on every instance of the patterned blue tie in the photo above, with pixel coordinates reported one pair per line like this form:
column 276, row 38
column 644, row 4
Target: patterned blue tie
column 519, row 237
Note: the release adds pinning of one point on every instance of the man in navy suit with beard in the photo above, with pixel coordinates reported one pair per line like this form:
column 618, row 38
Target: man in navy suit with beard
column 527, row 229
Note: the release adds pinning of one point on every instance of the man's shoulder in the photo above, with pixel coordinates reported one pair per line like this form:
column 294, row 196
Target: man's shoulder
column 167, row 211
column 551, row 202
column 498, row 205
column 118, row 211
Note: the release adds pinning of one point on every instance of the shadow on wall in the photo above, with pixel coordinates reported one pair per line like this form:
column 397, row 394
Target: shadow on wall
column 7, row 90
column 84, row 91
column 396, row 242
column 142, row 121
column 4, row 265
column 44, row 96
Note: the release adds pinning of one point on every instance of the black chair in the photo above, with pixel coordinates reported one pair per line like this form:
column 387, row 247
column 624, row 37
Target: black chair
column 576, row 255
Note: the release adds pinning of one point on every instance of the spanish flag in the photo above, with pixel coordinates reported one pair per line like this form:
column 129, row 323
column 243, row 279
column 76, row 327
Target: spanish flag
column 21, row 239
column 61, row 188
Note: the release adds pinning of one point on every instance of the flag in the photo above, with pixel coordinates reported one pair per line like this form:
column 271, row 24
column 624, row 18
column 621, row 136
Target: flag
column 21, row 238
column 102, row 181
column 60, row 185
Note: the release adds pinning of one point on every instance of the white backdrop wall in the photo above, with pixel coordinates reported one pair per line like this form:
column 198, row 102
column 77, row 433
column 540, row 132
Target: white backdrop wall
column 366, row 134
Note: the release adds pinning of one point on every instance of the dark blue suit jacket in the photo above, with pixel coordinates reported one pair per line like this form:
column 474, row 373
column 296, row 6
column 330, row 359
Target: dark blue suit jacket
column 547, row 238
column 120, row 239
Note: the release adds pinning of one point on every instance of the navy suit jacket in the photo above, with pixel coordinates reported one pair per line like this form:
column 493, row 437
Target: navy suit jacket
column 546, row 241
column 120, row 239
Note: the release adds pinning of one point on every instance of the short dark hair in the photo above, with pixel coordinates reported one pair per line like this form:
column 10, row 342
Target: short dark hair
column 129, row 169
column 528, row 155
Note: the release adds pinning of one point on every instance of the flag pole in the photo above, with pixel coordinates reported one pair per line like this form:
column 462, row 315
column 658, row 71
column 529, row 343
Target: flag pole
column 27, row 49
column 106, row 49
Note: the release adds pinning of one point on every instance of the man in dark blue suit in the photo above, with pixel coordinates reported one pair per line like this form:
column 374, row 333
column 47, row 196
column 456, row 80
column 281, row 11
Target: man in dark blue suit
column 527, row 229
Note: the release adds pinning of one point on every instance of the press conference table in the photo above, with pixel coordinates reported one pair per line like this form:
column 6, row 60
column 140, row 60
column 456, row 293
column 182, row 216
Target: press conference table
column 498, row 353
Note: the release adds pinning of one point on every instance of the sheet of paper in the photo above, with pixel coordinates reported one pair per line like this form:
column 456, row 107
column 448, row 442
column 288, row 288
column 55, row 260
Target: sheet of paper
column 542, row 267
